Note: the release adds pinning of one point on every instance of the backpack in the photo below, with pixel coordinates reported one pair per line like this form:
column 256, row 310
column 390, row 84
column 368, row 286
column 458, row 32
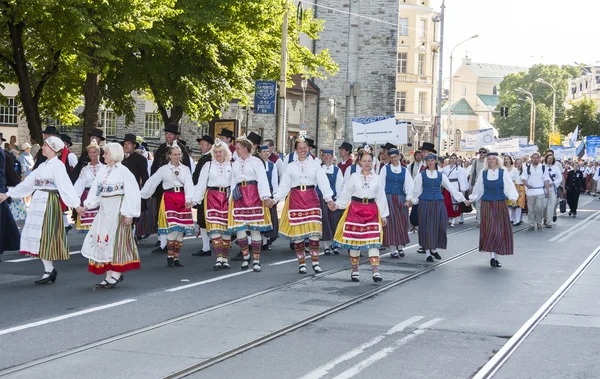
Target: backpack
column 529, row 169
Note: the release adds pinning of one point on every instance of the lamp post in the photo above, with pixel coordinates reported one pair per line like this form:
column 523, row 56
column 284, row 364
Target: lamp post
column 451, row 74
column 532, row 116
column 542, row 81
column 304, row 84
column 282, row 137
column 439, row 97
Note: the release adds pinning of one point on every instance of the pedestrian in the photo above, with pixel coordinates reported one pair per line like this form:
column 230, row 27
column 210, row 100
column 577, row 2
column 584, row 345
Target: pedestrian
column 174, row 215
column 398, row 183
column 83, row 185
column 206, row 143
column 137, row 164
column 212, row 191
column 493, row 187
column 301, row 217
column 247, row 210
column 574, row 182
column 9, row 232
column 536, row 180
column 273, row 177
column 476, row 167
column 110, row 245
column 44, row 233
column 361, row 225
column 514, row 169
column 432, row 215
column 330, row 219
column 26, row 160
column 346, row 160
column 458, row 178
column 556, row 179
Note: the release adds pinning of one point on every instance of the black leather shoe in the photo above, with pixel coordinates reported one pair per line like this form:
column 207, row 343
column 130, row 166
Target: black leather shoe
column 170, row 262
column 429, row 259
column 436, row 255
column 497, row 263
column 177, row 263
column 51, row 278
column 238, row 258
column 266, row 247
column 157, row 244
column 554, row 219
column 158, row 250
column 492, row 262
column 202, row 253
column 336, row 251
column 421, row 250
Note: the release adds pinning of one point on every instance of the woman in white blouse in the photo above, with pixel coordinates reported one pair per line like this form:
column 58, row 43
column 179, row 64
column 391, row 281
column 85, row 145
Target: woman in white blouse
column 331, row 219
column 44, row 233
column 273, row 177
column 514, row 170
column 83, row 185
column 247, row 209
column 432, row 214
column 398, row 185
column 175, row 213
column 109, row 244
column 213, row 190
column 361, row 225
column 493, row 187
column 301, row 216
column 458, row 177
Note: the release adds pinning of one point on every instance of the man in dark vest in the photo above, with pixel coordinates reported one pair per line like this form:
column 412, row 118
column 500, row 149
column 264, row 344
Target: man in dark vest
column 277, row 161
column 345, row 158
column 50, row 131
column 138, row 165
column 95, row 135
column 226, row 136
column 206, row 143
column 9, row 233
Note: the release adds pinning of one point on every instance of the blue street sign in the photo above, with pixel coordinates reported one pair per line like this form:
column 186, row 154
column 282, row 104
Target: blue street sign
column 265, row 95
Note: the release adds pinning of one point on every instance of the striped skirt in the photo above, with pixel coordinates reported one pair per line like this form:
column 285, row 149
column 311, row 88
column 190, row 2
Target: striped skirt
column 301, row 215
column 395, row 233
column 85, row 220
column 359, row 227
column 173, row 216
column 249, row 212
column 330, row 221
column 109, row 244
column 433, row 223
column 496, row 231
column 214, row 210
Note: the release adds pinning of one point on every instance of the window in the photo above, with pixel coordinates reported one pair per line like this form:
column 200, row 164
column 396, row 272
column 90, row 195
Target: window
column 423, row 29
column 8, row 111
column 152, row 125
column 400, row 101
column 108, row 122
column 402, row 60
column 495, row 91
column 403, row 27
column 422, row 102
column 421, row 66
column 597, row 79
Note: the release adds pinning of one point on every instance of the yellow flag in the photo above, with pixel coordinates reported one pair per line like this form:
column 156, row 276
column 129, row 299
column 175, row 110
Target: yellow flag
column 554, row 139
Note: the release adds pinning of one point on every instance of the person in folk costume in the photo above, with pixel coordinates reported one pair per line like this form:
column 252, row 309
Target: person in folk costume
column 398, row 184
column 70, row 161
column 477, row 165
column 212, row 190
column 138, row 165
column 273, row 178
column 147, row 217
column 425, row 149
column 331, row 219
column 555, row 172
column 493, row 187
column 514, row 207
column 574, row 182
column 416, row 166
column 275, row 158
column 432, row 215
column 226, row 136
column 110, row 245
column 96, row 135
column 346, row 161
column 50, row 131
column 384, row 155
column 247, row 208
column 44, row 234
column 365, row 216
column 174, row 215
column 9, row 232
column 162, row 158
column 458, row 177
column 522, row 201
column 593, row 183
column 206, row 143
column 83, row 185
column 536, row 178
column 18, row 207
column 301, row 217
column 293, row 156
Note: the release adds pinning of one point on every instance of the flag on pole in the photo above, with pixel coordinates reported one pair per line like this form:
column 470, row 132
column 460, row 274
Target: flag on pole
column 580, row 152
column 574, row 137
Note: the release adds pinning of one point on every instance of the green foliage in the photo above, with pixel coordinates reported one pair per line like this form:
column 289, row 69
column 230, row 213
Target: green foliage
column 582, row 113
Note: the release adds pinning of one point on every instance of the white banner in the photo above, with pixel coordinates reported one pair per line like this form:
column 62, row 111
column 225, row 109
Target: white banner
column 505, row 145
column 476, row 139
column 527, row 150
column 564, row 153
column 379, row 130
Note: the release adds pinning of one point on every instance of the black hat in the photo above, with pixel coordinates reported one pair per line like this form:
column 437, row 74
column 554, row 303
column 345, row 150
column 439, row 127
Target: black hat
column 254, row 138
column 129, row 137
column 388, row 146
column 172, row 128
column 50, row 129
column 346, row 146
column 427, row 146
column 206, row 138
column 310, row 142
column 2, row 137
column 226, row 133
column 97, row 133
column 66, row 139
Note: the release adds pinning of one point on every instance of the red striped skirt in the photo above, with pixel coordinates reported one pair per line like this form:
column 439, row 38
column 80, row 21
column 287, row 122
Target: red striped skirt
column 496, row 231
column 433, row 224
column 395, row 233
column 216, row 210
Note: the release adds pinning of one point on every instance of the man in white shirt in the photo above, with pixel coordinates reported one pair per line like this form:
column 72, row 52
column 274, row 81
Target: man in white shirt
column 537, row 187
column 415, row 167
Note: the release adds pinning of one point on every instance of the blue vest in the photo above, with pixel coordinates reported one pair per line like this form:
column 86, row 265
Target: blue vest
column 291, row 157
column 493, row 190
column 270, row 166
column 432, row 188
column 394, row 183
column 353, row 169
column 332, row 179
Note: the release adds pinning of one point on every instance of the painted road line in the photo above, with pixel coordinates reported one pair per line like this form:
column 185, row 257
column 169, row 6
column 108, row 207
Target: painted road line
column 34, row 259
column 578, row 230
column 574, row 227
column 324, row 369
column 64, row 317
column 359, row 367
column 175, row 289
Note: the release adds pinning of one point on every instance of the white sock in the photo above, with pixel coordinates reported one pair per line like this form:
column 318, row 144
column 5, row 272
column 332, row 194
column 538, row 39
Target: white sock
column 108, row 276
column 205, row 240
column 48, row 267
column 427, row 253
column 264, row 240
column 66, row 220
column 462, row 217
column 493, row 255
column 116, row 275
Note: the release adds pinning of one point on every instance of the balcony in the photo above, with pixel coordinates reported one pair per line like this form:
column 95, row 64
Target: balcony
column 412, row 78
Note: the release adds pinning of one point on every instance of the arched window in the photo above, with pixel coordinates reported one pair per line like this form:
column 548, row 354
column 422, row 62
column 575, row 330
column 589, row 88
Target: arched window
column 495, row 90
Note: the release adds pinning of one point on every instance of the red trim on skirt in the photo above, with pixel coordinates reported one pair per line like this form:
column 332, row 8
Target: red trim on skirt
column 304, row 207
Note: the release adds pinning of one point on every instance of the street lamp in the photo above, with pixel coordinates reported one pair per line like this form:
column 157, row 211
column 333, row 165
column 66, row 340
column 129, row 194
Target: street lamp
column 542, row 81
column 304, row 84
column 532, row 115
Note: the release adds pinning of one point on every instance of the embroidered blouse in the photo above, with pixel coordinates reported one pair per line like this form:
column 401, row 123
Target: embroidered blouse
column 370, row 187
column 86, row 178
column 250, row 169
column 115, row 181
column 418, row 187
column 213, row 174
column 171, row 176
column 309, row 173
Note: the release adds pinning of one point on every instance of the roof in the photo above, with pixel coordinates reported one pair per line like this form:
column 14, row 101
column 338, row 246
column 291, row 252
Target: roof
column 460, row 108
column 490, row 70
column 490, row 100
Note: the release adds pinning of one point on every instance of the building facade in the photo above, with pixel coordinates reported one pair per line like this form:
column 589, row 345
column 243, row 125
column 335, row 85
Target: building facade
column 586, row 85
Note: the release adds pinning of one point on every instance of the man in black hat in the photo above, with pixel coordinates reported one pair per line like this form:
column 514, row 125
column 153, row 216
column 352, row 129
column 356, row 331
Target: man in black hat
column 71, row 158
column 206, row 143
column 50, row 131
column 138, row 165
column 12, row 177
column 255, row 139
column 345, row 156
column 95, row 135
column 226, row 136
column 9, row 233
column 384, row 156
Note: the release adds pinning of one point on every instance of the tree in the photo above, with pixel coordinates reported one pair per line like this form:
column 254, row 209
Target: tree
column 582, row 113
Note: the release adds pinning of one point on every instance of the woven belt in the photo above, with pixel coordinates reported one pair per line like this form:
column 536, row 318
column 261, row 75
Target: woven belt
column 303, row 187
column 49, row 191
column 364, row 200
column 220, row 189
column 245, row 183
column 174, row 189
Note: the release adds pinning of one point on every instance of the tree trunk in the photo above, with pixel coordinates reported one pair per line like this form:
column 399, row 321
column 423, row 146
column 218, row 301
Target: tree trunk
column 92, row 98
column 176, row 115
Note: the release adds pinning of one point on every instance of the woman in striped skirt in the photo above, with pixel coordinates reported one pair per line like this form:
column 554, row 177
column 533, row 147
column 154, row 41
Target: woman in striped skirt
column 432, row 214
column 44, row 233
column 83, row 186
column 398, row 182
column 109, row 245
column 493, row 187
column 301, row 216
column 336, row 184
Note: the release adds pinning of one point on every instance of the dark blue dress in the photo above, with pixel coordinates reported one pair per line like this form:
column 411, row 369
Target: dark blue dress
column 10, row 238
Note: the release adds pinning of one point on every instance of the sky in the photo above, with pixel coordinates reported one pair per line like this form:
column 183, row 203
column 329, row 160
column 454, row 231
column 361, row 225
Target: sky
column 522, row 32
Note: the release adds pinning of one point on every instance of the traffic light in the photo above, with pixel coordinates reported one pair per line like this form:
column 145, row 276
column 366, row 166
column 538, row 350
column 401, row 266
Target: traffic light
column 504, row 112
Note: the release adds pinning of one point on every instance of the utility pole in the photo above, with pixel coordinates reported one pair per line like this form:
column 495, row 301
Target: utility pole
column 282, row 137
column 439, row 99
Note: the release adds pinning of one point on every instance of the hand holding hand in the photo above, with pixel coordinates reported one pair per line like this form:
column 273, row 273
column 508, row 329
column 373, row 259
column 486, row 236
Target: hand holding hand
column 81, row 210
column 384, row 222
column 332, row 206
column 127, row 220
column 408, row 204
column 188, row 205
column 468, row 203
column 3, row 197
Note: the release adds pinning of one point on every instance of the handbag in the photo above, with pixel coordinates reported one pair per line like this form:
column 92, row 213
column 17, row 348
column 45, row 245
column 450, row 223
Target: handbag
column 464, row 208
column 414, row 218
column 563, row 205
column 237, row 193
